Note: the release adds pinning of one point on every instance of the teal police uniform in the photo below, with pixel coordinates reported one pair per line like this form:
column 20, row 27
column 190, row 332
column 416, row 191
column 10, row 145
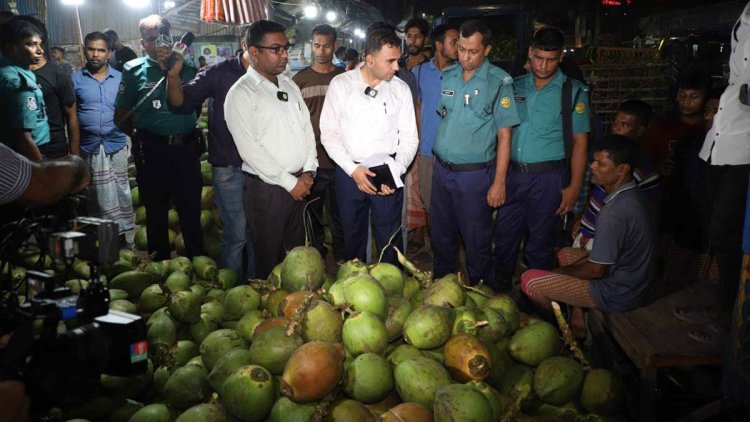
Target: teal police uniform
column 166, row 151
column 22, row 102
column 538, row 173
column 464, row 168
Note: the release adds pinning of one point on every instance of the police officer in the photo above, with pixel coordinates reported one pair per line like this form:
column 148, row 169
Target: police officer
column 165, row 144
column 541, row 185
column 24, row 119
column 472, row 151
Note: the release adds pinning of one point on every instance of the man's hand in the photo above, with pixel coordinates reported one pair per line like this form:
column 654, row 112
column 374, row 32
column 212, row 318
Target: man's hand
column 386, row 190
column 569, row 197
column 174, row 72
column 302, row 188
column 496, row 194
column 361, row 177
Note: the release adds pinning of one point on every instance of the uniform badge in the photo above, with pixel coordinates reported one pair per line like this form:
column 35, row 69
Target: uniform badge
column 448, row 93
column 121, row 88
column 476, row 92
column 580, row 107
column 507, row 80
column 31, row 103
column 156, row 104
column 505, row 102
column 519, row 99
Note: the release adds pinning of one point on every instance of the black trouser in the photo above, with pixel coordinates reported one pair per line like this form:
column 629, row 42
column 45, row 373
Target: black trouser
column 727, row 194
column 323, row 194
column 167, row 172
column 275, row 222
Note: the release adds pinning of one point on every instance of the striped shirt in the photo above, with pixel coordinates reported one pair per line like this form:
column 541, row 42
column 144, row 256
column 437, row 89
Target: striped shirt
column 15, row 175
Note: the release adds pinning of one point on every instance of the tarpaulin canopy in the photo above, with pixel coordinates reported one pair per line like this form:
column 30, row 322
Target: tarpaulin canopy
column 233, row 11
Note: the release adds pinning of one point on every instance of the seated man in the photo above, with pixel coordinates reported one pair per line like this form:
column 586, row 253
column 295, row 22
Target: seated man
column 616, row 275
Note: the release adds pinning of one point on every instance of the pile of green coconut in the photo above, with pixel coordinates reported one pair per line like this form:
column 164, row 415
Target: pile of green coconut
column 371, row 343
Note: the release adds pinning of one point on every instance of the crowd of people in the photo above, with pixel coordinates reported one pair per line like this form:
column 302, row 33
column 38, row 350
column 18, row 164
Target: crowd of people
column 514, row 172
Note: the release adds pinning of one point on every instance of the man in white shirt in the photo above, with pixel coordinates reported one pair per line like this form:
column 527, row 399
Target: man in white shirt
column 368, row 119
column 727, row 151
column 270, row 125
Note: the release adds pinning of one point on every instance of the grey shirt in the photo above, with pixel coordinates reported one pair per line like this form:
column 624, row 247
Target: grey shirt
column 625, row 240
column 15, row 175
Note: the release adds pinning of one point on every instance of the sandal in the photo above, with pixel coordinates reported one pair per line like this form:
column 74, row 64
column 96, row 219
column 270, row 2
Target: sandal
column 694, row 314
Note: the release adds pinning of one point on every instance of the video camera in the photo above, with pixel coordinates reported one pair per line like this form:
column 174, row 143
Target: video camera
column 63, row 366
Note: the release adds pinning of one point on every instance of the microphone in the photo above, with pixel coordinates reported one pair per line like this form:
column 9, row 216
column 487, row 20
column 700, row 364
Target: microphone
column 180, row 48
column 372, row 92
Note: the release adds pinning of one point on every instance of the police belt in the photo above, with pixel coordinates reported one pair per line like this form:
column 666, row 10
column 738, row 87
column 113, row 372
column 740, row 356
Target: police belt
column 153, row 138
column 463, row 167
column 537, row 167
column 255, row 176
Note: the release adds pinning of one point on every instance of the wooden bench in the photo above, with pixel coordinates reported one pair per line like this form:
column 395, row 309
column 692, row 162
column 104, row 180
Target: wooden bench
column 653, row 338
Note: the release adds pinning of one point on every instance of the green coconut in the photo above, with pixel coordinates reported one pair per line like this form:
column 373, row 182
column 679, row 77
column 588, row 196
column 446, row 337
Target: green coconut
column 602, row 393
column 186, row 387
column 390, row 277
column 411, row 287
column 248, row 393
column 517, row 381
column 228, row 278
column 183, row 351
column 158, row 270
column 418, row 379
column 205, row 268
column 133, row 282
column 204, row 412
column 456, row 402
column 123, row 305
column 322, row 322
column 285, row 410
column 115, row 294
column 156, row 412
column 398, row 311
column 428, row 327
column 178, row 281
column 273, row 348
column 496, row 327
column 226, row 365
column 213, row 309
column 302, row 269
column 445, row 291
column 181, row 263
column 173, row 219
column 185, row 307
column 248, row 323
column 238, row 301
column 205, row 325
column 152, row 298
column 507, row 308
column 535, row 343
column 162, row 331
column 364, row 332
column 557, row 380
column 351, row 268
column 403, row 352
column 369, row 378
column 343, row 410
column 217, row 343
column 465, row 321
column 364, row 293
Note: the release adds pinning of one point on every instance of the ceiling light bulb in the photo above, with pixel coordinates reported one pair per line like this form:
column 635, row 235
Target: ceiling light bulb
column 311, row 12
column 331, row 16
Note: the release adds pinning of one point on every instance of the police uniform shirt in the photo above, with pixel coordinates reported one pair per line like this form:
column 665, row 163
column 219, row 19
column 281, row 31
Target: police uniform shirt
column 22, row 102
column 139, row 76
column 473, row 112
column 271, row 127
column 539, row 137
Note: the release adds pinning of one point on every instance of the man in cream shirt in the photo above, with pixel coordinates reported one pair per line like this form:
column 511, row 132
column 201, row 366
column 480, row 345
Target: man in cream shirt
column 368, row 119
column 270, row 125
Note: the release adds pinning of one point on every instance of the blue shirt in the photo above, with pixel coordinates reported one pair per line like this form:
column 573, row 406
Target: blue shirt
column 474, row 112
column 22, row 102
column 428, row 83
column 539, row 137
column 96, row 110
column 214, row 82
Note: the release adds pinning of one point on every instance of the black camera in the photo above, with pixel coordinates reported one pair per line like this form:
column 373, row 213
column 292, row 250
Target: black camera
column 64, row 368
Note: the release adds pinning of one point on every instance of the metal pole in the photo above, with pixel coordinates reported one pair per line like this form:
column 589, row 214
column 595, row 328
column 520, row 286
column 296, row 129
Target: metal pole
column 80, row 33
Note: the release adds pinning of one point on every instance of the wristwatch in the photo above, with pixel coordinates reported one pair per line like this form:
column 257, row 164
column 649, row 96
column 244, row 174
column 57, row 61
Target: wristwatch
column 311, row 173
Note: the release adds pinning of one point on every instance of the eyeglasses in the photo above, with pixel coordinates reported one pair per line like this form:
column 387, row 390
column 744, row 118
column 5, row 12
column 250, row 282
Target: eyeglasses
column 278, row 49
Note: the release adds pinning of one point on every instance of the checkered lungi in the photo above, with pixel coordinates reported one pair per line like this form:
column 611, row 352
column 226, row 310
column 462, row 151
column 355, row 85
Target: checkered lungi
column 559, row 287
column 109, row 192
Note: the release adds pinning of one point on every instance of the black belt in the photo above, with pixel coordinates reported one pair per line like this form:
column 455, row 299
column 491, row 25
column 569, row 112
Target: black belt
column 255, row 176
column 182, row 139
column 463, row 167
column 537, row 167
